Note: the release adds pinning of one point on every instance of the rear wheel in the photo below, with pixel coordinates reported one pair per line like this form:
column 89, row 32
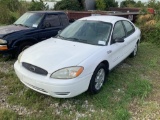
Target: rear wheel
column 98, row 79
column 134, row 53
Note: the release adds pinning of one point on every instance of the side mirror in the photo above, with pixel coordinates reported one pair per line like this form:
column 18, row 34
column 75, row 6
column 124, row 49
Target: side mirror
column 59, row 32
column 119, row 40
column 45, row 25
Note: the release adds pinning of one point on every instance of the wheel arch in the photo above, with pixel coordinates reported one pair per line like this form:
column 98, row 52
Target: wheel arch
column 106, row 63
column 138, row 41
column 91, row 87
column 29, row 40
column 19, row 43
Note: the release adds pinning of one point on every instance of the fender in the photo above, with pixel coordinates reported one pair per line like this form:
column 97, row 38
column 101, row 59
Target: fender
column 29, row 39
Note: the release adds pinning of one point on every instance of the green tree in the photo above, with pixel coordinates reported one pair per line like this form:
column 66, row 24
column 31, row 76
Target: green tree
column 154, row 4
column 12, row 5
column 127, row 3
column 139, row 4
column 110, row 3
column 105, row 4
column 37, row 5
column 100, row 5
column 9, row 11
column 68, row 5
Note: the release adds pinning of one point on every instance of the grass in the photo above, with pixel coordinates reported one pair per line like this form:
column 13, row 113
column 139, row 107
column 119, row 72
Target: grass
column 8, row 115
column 130, row 85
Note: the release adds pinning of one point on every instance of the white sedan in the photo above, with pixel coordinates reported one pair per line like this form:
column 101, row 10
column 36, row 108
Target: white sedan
column 79, row 58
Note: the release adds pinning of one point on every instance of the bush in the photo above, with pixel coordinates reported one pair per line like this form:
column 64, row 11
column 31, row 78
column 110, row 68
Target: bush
column 68, row 5
column 10, row 10
column 150, row 28
column 110, row 3
column 127, row 3
column 151, row 34
column 23, row 8
column 6, row 16
column 35, row 5
column 105, row 4
column 12, row 5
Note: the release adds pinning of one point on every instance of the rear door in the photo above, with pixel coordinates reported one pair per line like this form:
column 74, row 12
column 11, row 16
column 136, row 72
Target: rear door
column 131, row 37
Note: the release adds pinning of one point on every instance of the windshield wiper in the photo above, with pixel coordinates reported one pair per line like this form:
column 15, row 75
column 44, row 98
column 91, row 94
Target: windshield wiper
column 21, row 25
column 73, row 39
column 77, row 39
column 61, row 37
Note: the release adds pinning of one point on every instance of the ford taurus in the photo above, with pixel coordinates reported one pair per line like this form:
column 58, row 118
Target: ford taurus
column 79, row 58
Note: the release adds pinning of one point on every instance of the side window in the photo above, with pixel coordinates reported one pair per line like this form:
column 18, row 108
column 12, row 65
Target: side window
column 118, row 31
column 129, row 27
column 51, row 21
column 64, row 20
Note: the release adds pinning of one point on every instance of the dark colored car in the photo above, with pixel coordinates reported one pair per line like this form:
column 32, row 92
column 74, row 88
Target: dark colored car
column 30, row 28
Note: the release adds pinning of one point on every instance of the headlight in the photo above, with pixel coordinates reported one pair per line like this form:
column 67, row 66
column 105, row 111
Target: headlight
column 19, row 57
column 3, row 41
column 67, row 73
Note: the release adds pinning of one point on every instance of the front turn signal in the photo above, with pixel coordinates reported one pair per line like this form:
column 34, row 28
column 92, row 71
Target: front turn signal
column 3, row 47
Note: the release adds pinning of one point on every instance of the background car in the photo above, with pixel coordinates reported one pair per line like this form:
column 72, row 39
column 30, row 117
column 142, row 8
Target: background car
column 80, row 58
column 32, row 27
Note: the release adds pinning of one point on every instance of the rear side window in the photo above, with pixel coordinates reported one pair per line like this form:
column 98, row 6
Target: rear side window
column 64, row 20
column 51, row 21
column 129, row 27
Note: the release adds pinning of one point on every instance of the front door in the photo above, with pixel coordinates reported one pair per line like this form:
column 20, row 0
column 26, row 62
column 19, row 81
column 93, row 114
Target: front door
column 117, row 49
column 50, row 26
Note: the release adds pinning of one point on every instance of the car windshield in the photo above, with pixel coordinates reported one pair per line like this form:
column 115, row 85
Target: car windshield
column 29, row 20
column 87, row 31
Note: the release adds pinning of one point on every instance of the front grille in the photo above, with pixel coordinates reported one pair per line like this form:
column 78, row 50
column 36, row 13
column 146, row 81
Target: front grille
column 62, row 93
column 37, row 88
column 34, row 69
column 40, row 89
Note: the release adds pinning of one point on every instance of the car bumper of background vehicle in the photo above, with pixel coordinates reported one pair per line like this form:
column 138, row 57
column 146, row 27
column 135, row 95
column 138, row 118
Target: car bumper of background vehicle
column 8, row 51
column 53, row 87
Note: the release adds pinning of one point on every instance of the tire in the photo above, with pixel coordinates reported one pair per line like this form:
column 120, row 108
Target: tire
column 22, row 47
column 134, row 53
column 98, row 79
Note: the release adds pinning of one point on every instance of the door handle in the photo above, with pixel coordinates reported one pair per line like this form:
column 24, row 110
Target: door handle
column 109, row 51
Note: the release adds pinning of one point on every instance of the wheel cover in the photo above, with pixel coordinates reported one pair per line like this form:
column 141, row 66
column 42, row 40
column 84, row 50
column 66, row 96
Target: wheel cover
column 99, row 79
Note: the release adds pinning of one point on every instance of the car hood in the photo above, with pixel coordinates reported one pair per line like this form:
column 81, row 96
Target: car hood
column 10, row 29
column 54, row 54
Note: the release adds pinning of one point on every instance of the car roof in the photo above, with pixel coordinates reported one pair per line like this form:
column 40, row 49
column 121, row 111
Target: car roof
column 46, row 12
column 104, row 18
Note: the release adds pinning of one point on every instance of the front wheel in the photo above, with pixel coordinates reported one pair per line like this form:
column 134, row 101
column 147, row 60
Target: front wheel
column 22, row 47
column 98, row 79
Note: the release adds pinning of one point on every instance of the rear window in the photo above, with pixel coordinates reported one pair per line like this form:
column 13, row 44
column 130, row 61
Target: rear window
column 129, row 27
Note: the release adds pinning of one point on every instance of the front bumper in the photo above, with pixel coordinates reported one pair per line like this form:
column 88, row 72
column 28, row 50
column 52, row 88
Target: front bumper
column 7, row 51
column 52, row 87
